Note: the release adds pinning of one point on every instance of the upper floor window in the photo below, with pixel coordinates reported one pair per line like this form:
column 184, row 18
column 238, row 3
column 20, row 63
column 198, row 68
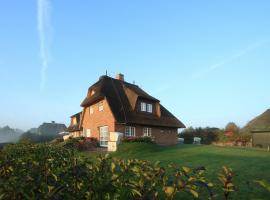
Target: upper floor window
column 143, row 106
column 149, row 108
column 130, row 131
column 74, row 120
column 147, row 132
column 146, row 107
column 100, row 106
column 91, row 110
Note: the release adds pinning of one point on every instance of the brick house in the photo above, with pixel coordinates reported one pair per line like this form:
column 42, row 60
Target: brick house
column 113, row 105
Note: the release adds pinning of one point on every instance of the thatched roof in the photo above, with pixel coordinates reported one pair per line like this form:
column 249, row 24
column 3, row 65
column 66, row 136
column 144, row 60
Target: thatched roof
column 76, row 127
column 122, row 96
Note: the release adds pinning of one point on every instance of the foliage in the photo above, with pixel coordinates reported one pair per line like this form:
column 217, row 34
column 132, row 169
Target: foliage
column 36, row 138
column 226, row 179
column 44, row 171
column 138, row 139
column 81, row 143
column 208, row 135
column 233, row 128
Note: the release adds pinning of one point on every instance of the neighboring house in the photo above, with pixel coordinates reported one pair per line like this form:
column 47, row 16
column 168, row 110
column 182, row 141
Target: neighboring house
column 113, row 105
column 261, row 138
column 50, row 128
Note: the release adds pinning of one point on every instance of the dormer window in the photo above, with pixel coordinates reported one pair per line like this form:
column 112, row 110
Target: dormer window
column 146, row 107
column 74, row 120
column 143, row 106
column 149, row 108
column 92, row 92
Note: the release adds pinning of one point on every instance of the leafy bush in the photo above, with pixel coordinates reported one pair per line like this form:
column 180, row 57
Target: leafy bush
column 138, row 139
column 32, row 171
column 81, row 143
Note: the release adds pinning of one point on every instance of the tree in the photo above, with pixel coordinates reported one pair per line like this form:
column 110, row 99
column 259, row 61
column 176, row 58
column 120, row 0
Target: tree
column 232, row 128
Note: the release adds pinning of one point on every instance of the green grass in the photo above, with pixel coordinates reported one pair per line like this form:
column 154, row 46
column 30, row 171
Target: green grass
column 248, row 164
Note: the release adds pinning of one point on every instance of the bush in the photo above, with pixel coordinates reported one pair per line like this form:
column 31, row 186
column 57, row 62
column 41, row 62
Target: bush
column 138, row 139
column 207, row 135
column 43, row 171
column 81, row 143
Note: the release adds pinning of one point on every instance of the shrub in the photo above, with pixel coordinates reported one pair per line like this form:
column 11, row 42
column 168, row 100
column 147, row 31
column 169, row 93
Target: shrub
column 138, row 139
column 81, row 143
column 31, row 171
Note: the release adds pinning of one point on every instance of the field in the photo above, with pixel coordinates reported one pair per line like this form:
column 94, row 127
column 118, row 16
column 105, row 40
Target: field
column 248, row 164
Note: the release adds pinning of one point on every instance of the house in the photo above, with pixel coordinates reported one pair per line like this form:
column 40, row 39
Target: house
column 51, row 128
column 261, row 138
column 114, row 105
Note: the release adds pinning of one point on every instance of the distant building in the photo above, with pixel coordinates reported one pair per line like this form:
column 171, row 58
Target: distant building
column 51, row 128
column 261, row 138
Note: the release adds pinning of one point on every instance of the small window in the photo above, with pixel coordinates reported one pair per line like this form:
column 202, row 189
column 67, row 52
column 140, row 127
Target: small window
column 86, row 132
column 147, row 132
column 74, row 120
column 92, row 92
column 149, row 108
column 100, row 106
column 130, row 131
column 91, row 110
column 143, row 106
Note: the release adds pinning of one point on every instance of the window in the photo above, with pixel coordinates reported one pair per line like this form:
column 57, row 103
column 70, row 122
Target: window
column 147, row 132
column 149, row 108
column 104, row 136
column 74, row 120
column 130, row 131
column 91, row 110
column 100, row 106
column 143, row 106
column 86, row 132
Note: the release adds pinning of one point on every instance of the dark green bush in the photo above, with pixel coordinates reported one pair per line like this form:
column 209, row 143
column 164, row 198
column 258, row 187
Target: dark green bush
column 81, row 143
column 31, row 171
column 138, row 139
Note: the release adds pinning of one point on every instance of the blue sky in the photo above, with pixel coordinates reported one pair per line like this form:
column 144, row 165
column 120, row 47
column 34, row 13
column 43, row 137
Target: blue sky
column 207, row 61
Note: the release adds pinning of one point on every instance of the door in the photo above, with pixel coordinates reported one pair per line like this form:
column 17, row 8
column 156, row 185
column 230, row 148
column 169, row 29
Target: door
column 103, row 136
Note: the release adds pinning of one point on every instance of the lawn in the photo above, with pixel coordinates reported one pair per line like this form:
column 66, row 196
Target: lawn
column 248, row 164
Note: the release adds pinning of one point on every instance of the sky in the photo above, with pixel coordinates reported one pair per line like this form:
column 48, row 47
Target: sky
column 208, row 62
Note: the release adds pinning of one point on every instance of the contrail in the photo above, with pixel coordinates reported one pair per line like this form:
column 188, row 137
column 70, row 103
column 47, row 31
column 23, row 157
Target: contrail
column 44, row 28
column 231, row 59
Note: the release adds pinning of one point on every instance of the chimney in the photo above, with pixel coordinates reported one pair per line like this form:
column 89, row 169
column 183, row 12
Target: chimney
column 120, row 77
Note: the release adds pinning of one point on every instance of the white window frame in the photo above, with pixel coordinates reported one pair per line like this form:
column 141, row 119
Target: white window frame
column 104, row 136
column 91, row 110
column 149, row 108
column 100, row 106
column 147, row 132
column 130, row 131
column 143, row 106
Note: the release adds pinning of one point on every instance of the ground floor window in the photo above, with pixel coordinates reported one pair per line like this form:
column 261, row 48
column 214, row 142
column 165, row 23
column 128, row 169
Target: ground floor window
column 147, row 132
column 130, row 131
column 86, row 132
column 104, row 136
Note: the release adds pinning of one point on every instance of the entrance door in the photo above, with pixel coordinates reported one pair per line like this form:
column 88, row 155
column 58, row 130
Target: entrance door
column 103, row 136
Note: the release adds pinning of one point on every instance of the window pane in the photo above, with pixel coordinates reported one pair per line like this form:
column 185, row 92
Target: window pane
column 143, row 106
column 149, row 108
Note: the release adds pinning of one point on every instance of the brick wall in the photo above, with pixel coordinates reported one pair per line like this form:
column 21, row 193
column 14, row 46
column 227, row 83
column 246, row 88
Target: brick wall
column 98, row 118
column 162, row 136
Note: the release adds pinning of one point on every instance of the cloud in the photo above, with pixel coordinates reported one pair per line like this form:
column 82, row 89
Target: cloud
column 230, row 59
column 44, row 28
